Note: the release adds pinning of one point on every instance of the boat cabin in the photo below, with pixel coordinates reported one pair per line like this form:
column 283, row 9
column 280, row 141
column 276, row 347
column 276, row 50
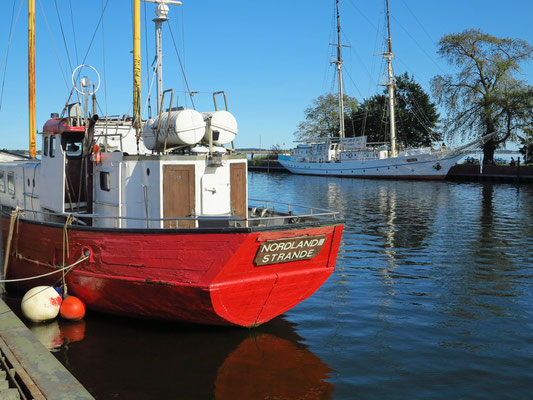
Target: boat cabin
column 317, row 152
column 104, row 170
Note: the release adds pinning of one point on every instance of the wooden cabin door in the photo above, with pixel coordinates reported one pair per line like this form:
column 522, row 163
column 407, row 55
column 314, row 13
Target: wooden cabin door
column 238, row 189
column 178, row 195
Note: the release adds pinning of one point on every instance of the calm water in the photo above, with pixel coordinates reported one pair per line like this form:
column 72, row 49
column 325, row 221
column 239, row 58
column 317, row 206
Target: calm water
column 432, row 299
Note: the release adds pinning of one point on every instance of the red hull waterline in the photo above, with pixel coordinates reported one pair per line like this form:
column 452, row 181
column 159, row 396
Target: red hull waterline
column 188, row 275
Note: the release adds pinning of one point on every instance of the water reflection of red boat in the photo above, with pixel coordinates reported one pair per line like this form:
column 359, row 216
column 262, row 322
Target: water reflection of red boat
column 138, row 360
column 73, row 331
column 268, row 367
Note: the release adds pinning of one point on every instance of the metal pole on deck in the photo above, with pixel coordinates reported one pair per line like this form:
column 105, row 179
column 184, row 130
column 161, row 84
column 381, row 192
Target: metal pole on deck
column 161, row 13
column 159, row 59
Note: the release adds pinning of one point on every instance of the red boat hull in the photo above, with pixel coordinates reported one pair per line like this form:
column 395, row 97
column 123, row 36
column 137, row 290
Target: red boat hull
column 191, row 275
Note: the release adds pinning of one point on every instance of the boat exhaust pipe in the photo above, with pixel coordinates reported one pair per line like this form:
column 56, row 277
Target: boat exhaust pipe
column 89, row 136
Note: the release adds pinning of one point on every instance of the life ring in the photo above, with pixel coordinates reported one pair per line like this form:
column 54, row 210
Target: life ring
column 350, row 155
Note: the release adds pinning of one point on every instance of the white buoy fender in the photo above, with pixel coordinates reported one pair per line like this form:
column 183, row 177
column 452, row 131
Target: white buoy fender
column 41, row 304
column 186, row 127
column 223, row 126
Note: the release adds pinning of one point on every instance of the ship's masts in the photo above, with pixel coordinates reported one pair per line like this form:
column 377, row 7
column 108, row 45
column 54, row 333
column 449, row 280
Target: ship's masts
column 339, row 73
column 137, row 63
column 389, row 56
column 31, row 76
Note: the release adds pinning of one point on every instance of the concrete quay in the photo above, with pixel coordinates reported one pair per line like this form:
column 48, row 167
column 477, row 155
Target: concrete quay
column 27, row 369
column 498, row 173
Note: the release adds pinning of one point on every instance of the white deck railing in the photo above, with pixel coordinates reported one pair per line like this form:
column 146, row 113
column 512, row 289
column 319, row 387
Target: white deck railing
column 261, row 213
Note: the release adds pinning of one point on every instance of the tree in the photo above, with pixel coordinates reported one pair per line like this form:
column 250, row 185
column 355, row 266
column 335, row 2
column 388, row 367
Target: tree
column 483, row 97
column 321, row 119
column 517, row 107
column 416, row 116
column 275, row 151
column 527, row 145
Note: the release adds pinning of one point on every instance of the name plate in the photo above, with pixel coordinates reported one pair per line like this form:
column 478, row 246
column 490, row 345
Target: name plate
column 287, row 250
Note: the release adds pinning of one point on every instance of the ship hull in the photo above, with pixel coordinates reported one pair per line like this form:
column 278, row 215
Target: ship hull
column 424, row 167
column 198, row 276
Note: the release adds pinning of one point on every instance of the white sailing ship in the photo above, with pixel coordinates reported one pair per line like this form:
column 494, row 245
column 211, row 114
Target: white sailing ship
column 354, row 157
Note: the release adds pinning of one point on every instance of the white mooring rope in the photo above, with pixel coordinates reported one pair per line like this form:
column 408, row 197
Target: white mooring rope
column 48, row 273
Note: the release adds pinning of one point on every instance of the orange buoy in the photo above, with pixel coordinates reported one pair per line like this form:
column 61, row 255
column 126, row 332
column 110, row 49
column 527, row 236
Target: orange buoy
column 72, row 309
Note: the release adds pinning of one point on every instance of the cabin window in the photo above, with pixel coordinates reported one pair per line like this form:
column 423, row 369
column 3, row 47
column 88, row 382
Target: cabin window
column 11, row 183
column 105, row 181
column 52, row 146
column 45, row 146
column 2, row 182
column 73, row 148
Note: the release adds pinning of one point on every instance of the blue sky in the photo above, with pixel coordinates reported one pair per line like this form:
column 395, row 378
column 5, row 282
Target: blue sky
column 271, row 58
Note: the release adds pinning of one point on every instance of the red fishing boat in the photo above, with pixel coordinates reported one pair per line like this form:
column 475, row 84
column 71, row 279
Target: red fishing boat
column 151, row 218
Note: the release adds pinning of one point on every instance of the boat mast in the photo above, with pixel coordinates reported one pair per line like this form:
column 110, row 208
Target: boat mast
column 339, row 73
column 389, row 56
column 161, row 12
column 137, row 65
column 31, row 76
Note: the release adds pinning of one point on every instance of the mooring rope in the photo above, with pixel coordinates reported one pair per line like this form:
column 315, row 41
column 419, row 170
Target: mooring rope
column 62, row 269
column 14, row 216
column 65, row 249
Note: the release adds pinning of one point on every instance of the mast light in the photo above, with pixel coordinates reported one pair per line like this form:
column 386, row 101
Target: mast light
column 162, row 7
column 174, row 2
column 85, row 82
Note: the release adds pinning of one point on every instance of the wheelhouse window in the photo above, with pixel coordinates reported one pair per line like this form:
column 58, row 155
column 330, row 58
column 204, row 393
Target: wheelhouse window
column 2, row 182
column 11, row 183
column 45, row 146
column 74, row 148
column 52, row 146
column 105, row 181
